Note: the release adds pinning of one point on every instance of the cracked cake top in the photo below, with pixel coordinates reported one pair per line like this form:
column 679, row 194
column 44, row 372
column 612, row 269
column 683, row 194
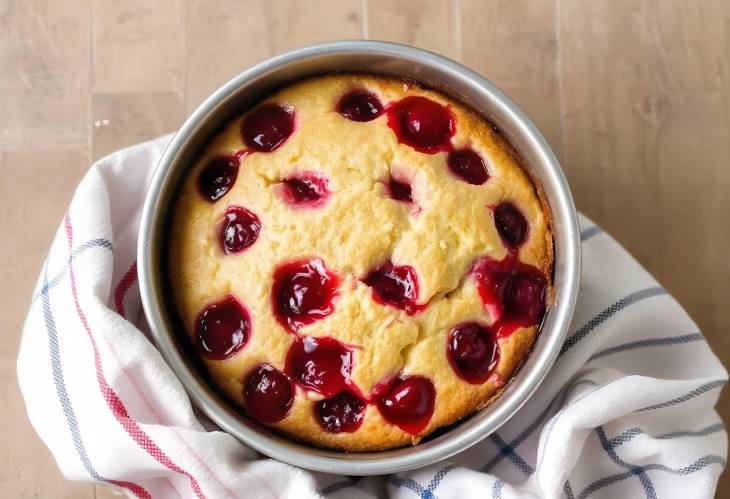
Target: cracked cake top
column 359, row 261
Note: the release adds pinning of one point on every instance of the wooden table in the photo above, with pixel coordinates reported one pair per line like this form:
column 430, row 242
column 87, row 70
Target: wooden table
column 633, row 95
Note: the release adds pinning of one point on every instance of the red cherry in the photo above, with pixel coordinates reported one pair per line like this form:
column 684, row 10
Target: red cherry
column 239, row 230
column 472, row 352
column 511, row 291
column 268, row 394
column 359, row 105
column 322, row 365
column 303, row 292
column 223, row 329
column 468, row 166
column 310, row 190
column 218, row 177
column 511, row 224
column 396, row 286
column 407, row 402
column 400, row 191
column 342, row 413
column 422, row 124
column 267, row 127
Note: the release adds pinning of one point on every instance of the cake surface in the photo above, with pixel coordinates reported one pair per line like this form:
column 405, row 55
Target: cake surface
column 359, row 261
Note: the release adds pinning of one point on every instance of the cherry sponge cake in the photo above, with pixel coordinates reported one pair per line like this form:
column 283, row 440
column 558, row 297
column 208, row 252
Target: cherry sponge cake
column 360, row 261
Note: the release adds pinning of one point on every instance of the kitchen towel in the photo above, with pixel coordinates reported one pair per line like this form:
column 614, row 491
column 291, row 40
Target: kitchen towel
column 626, row 411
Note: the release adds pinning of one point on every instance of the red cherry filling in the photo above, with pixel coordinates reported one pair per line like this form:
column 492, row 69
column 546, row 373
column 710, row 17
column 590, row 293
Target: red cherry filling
column 322, row 365
column 303, row 292
column 422, row 124
column 523, row 298
column 308, row 190
column 218, row 177
column 239, row 230
column 400, row 191
column 267, row 127
column 472, row 352
column 223, row 329
column 395, row 285
column 341, row 413
column 512, row 292
column 268, row 394
column 359, row 105
column 511, row 224
column 407, row 402
column 468, row 166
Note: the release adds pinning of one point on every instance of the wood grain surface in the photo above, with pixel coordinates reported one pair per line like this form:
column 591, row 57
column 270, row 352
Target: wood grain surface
column 633, row 95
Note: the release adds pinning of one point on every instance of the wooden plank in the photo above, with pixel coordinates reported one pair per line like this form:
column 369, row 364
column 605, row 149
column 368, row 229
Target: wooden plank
column 646, row 93
column 429, row 24
column 513, row 43
column 138, row 46
column 138, row 69
column 122, row 120
column 44, row 84
column 44, row 91
column 226, row 37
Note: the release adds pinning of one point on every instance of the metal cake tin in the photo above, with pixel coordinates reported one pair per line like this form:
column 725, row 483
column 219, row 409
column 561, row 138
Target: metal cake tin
column 434, row 71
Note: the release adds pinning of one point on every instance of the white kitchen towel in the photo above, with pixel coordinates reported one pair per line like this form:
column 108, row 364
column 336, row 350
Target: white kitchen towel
column 627, row 410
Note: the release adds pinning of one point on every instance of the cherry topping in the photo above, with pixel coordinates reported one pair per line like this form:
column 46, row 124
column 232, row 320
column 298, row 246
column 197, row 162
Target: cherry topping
column 472, row 352
column 407, row 402
column 359, row 105
column 240, row 229
column 395, row 285
column 268, row 394
column 267, row 127
column 512, row 292
column 341, row 413
column 308, row 190
column 511, row 224
column 303, row 292
column 322, row 365
column 218, row 177
column 400, row 191
column 422, row 124
column 223, row 329
column 468, row 166
column 523, row 298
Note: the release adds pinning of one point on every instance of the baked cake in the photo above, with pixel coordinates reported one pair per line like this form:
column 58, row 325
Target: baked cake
column 359, row 261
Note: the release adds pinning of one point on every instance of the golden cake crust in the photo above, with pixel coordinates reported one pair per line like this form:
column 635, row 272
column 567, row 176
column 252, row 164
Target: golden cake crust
column 358, row 229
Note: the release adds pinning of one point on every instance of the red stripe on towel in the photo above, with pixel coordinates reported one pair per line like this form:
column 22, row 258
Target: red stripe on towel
column 122, row 287
column 112, row 399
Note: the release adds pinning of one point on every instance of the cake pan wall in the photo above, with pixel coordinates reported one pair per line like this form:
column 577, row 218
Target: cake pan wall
column 432, row 70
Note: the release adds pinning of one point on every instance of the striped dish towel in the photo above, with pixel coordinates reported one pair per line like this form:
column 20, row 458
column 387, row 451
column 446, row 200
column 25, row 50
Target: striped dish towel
column 627, row 410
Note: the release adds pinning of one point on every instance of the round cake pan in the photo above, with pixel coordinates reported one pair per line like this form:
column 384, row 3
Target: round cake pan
column 431, row 70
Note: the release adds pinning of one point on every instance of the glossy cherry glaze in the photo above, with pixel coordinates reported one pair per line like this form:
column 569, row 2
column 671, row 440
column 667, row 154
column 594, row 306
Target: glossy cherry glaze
column 511, row 224
column 322, row 365
column 218, row 177
column 399, row 190
column 222, row 329
column 472, row 352
column 406, row 401
column 267, row 127
column 268, row 394
column 308, row 190
column 395, row 285
column 421, row 123
column 359, row 105
column 513, row 292
column 303, row 292
column 342, row 413
column 239, row 230
column 468, row 166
